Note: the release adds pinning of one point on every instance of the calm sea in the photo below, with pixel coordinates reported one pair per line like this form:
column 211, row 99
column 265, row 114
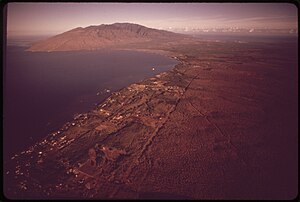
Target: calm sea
column 42, row 91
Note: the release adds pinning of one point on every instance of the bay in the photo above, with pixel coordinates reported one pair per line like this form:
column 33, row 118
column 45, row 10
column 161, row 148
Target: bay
column 44, row 90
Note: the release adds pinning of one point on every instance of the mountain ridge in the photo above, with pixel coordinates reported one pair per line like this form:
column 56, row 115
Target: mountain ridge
column 102, row 36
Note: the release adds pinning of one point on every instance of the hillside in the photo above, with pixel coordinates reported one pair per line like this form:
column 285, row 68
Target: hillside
column 102, row 36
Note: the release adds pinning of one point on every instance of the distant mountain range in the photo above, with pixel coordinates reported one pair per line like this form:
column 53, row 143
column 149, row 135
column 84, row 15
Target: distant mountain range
column 95, row 37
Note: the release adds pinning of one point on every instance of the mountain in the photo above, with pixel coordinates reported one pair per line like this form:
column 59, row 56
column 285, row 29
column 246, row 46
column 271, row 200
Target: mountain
column 102, row 36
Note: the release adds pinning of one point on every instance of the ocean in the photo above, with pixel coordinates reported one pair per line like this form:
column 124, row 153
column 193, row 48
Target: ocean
column 44, row 90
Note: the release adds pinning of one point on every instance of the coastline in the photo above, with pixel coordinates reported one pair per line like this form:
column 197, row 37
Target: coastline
column 137, row 86
column 65, row 113
column 108, row 115
column 212, row 123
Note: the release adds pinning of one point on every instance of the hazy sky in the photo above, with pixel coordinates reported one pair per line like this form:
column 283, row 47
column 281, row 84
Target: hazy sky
column 54, row 18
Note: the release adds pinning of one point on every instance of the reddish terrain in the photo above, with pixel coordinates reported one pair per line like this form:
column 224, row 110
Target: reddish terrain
column 221, row 125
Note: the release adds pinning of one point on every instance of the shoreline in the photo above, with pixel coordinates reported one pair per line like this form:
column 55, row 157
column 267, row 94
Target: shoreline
column 107, row 114
column 67, row 122
column 215, row 122
column 125, row 88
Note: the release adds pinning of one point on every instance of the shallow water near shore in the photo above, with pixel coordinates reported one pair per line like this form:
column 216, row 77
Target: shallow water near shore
column 42, row 91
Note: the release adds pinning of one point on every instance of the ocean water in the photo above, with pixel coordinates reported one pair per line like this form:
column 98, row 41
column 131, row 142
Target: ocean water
column 44, row 90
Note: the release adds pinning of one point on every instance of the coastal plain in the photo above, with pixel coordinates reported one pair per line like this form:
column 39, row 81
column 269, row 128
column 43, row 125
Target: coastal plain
column 222, row 124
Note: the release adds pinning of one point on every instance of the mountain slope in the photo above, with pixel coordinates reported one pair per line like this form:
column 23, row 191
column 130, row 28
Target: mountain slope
column 94, row 37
